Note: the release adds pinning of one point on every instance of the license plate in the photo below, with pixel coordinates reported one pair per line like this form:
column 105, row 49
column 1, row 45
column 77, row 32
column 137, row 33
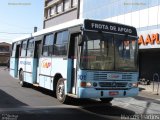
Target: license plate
column 113, row 93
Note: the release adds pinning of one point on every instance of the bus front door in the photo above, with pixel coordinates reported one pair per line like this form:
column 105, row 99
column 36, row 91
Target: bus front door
column 36, row 62
column 16, row 61
column 72, row 64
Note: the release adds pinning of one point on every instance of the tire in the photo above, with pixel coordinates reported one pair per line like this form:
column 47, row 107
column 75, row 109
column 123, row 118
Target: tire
column 21, row 79
column 60, row 92
column 106, row 100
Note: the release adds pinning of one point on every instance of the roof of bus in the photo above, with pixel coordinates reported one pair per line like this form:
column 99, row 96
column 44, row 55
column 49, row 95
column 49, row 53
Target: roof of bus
column 69, row 24
column 51, row 29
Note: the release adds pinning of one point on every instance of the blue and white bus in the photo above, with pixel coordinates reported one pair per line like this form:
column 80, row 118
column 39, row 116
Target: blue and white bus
column 81, row 59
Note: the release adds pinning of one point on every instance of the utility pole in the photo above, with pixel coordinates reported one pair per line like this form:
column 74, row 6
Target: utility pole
column 35, row 29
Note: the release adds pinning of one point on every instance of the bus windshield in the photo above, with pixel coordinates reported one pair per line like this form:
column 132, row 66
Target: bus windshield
column 103, row 51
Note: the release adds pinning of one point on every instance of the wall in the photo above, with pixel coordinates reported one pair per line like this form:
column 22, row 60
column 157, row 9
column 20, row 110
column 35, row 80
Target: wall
column 61, row 18
column 138, row 13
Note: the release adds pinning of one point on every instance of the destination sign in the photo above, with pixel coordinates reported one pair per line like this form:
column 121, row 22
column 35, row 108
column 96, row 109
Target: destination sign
column 109, row 27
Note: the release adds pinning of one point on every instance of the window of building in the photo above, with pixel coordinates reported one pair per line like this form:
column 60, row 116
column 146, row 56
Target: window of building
column 47, row 2
column 23, row 48
column 66, row 5
column 4, row 48
column 60, row 7
column 61, row 45
column 49, row 12
column 30, row 48
column 48, row 45
column 53, row 10
column 74, row 3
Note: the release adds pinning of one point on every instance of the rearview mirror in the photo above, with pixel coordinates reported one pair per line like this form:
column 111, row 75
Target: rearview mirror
column 80, row 40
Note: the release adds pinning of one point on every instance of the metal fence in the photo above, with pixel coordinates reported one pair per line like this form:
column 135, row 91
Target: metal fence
column 156, row 82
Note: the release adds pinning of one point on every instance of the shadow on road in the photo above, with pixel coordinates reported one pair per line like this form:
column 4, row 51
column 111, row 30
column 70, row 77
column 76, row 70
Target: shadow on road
column 42, row 90
column 93, row 105
column 109, row 110
column 98, row 107
column 7, row 101
column 51, row 114
column 89, row 109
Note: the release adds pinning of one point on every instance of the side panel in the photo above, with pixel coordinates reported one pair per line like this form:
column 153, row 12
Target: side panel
column 45, row 72
column 22, row 63
column 14, row 60
column 28, row 70
column 59, row 65
column 48, row 68
column 13, row 67
column 11, row 72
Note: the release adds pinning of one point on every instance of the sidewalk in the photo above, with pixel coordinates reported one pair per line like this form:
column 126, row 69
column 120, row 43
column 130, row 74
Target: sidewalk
column 148, row 91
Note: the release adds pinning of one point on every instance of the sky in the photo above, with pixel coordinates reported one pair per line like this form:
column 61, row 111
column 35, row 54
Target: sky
column 19, row 17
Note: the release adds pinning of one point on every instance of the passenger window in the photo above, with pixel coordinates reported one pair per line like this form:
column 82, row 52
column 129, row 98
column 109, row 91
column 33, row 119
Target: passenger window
column 30, row 48
column 23, row 48
column 14, row 50
column 48, row 45
column 61, row 44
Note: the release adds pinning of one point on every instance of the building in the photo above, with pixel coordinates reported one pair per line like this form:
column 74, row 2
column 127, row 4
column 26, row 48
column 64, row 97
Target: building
column 143, row 14
column 58, row 11
column 5, row 49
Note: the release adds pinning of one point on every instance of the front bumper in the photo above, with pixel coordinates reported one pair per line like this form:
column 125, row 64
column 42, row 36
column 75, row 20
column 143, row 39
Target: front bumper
column 93, row 93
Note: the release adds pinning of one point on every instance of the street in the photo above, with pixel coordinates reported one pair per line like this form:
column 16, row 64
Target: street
column 38, row 104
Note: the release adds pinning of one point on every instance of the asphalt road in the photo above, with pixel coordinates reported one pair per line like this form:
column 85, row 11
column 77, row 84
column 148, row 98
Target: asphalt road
column 17, row 103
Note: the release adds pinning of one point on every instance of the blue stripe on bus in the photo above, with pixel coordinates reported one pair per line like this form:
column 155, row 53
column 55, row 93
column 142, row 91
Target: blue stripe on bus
column 69, row 75
column 34, row 72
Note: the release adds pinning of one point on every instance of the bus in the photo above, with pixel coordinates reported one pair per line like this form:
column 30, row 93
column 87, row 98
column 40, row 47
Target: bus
column 5, row 49
column 82, row 58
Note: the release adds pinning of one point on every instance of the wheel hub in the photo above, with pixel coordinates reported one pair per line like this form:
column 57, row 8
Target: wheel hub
column 61, row 90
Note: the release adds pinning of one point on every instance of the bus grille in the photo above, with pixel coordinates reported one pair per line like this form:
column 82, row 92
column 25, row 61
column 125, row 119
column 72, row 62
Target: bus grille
column 112, row 84
column 127, row 76
column 103, row 76
column 100, row 76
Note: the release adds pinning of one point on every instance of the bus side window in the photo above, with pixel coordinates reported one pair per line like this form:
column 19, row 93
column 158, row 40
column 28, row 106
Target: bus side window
column 23, row 48
column 30, row 48
column 61, row 43
column 19, row 52
column 14, row 50
column 47, row 49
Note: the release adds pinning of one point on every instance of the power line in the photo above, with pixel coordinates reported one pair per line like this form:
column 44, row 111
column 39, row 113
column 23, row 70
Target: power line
column 17, row 26
column 13, row 25
column 13, row 33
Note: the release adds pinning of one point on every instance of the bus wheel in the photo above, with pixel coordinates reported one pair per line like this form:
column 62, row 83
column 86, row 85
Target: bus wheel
column 106, row 100
column 21, row 78
column 60, row 91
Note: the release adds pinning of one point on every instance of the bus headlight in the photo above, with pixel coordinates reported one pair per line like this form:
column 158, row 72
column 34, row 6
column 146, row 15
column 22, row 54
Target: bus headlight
column 86, row 84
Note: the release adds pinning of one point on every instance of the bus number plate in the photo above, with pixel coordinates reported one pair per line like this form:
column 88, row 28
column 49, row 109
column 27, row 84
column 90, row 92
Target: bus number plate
column 113, row 93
